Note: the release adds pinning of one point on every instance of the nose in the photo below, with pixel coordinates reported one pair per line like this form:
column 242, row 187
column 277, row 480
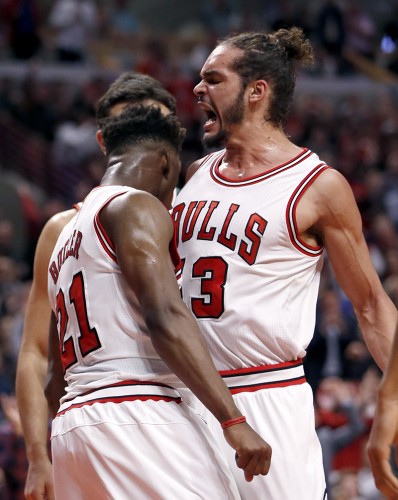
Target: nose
column 198, row 90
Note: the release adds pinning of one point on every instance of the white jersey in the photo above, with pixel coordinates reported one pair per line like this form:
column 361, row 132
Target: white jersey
column 249, row 279
column 104, row 339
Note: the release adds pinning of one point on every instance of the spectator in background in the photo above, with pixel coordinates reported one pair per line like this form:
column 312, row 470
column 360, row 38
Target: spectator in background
column 361, row 30
column 389, row 40
column 346, row 487
column 73, row 146
column 344, row 413
column 218, row 17
column 391, row 185
column 34, row 110
column 121, row 20
column 75, row 23
column 22, row 19
column 153, row 60
column 13, row 461
column 330, row 30
column 338, row 418
column 336, row 349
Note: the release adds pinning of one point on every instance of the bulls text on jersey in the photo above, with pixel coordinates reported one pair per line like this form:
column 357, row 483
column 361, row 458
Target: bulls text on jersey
column 186, row 221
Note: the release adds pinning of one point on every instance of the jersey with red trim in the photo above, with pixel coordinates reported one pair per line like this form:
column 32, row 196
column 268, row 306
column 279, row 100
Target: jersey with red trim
column 249, row 280
column 103, row 336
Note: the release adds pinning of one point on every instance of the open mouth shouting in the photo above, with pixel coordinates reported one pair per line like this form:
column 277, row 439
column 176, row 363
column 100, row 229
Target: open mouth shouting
column 211, row 115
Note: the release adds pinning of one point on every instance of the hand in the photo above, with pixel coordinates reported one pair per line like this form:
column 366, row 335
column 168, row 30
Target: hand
column 39, row 482
column 253, row 454
column 382, row 436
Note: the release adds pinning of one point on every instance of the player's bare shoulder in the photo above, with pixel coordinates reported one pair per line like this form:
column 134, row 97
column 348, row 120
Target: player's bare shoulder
column 331, row 190
column 327, row 199
column 53, row 227
column 134, row 203
column 133, row 211
column 57, row 222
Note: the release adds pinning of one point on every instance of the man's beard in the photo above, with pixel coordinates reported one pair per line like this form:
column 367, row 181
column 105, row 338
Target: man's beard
column 232, row 116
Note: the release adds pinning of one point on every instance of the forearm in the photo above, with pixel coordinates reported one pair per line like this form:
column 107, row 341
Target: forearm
column 388, row 391
column 377, row 324
column 197, row 369
column 32, row 405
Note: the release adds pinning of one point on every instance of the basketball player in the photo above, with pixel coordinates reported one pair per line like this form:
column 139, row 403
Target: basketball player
column 384, row 432
column 126, row 338
column 253, row 222
column 32, row 362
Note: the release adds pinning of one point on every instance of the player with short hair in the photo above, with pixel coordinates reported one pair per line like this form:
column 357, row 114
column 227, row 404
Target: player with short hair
column 129, row 87
column 126, row 338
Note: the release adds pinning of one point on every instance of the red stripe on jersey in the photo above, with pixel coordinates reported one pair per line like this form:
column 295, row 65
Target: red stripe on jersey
column 261, row 369
column 220, row 179
column 124, row 383
column 267, row 385
column 106, row 242
column 291, row 222
column 122, row 399
column 77, row 206
column 175, row 256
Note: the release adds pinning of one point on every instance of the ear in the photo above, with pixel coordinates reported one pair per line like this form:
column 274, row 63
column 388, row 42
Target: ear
column 165, row 166
column 257, row 90
column 100, row 141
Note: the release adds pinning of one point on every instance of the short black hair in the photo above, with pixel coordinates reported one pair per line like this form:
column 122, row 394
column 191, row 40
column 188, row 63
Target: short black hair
column 141, row 123
column 133, row 88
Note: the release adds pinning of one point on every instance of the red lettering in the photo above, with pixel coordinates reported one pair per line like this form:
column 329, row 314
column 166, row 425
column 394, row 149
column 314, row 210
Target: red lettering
column 60, row 260
column 70, row 248
column 204, row 233
column 65, row 249
column 177, row 213
column 254, row 230
column 78, row 241
column 191, row 218
column 229, row 242
column 54, row 272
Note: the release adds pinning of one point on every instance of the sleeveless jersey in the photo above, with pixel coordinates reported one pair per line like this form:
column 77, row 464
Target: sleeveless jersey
column 104, row 338
column 249, row 280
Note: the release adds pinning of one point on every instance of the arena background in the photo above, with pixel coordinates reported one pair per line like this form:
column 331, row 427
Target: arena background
column 345, row 109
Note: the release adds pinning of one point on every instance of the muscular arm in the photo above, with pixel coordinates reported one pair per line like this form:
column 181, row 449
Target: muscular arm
column 384, row 433
column 32, row 363
column 141, row 230
column 339, row 226
column 141, row 237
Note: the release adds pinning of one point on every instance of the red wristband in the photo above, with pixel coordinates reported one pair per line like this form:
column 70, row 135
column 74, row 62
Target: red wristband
column 233, row 421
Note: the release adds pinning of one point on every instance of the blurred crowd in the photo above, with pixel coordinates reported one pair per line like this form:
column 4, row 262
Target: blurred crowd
column 49, row 159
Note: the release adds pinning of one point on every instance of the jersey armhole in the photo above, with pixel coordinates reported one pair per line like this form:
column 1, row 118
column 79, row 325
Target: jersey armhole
column 302, row 246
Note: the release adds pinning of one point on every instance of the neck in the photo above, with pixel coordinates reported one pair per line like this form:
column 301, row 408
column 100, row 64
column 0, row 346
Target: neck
column 251, row 150
column 123, row 170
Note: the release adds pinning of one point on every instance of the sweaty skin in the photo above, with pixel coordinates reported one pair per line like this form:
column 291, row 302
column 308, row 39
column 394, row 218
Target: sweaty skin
column 141, row 231
column 245, row 87
column 32, row 360
column 32, row 365
column 327, row 212
column 384, row 432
